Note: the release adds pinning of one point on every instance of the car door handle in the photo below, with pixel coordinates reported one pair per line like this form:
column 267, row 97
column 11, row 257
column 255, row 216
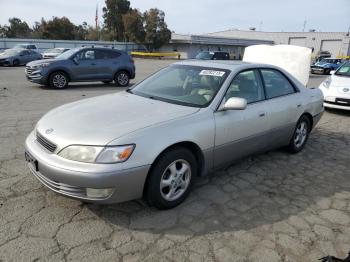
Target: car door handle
column 262, row 114
column 298, row 105
column 93, row 64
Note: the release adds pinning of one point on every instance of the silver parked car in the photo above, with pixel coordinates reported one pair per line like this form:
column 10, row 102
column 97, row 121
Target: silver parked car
column 54, row 52
column 153, row 140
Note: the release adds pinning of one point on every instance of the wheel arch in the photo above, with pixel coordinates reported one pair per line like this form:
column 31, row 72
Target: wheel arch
column 191, row 146
column 59, row 70
column 309, row 116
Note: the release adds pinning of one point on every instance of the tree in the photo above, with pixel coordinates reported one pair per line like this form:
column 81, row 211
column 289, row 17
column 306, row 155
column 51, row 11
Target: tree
column 58, row 28
column 113, row 18
column 133, row 26
column 81, row 31
column 16, row 28
column 157, row 32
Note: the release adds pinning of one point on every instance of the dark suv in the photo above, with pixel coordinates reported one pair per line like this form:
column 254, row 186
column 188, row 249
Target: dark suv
column 213, row 55
column 83, row 64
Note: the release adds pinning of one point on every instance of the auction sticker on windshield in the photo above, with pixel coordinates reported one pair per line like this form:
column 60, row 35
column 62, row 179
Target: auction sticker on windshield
column 212, row 73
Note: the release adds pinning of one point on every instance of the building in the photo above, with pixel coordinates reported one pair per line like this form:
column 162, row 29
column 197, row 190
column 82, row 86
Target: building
column 189, row 45
column 234, row 42
column 337, row 43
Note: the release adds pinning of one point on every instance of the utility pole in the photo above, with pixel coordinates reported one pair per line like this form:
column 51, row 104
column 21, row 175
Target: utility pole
column 96, row 17
column 304, row 25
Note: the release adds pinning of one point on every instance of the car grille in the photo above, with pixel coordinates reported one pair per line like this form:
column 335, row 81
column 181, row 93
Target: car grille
column 51, row 147
column 58, row 187
column 29, row 70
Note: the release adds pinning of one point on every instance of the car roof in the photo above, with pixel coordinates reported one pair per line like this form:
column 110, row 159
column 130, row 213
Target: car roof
column 224, row 64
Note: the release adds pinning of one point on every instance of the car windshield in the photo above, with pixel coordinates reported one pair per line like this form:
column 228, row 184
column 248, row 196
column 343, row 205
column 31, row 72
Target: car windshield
column 67, row 54
column 344, row 70
column 20, row 47
column 205, row 55
column 183, row 84
column 12, row 52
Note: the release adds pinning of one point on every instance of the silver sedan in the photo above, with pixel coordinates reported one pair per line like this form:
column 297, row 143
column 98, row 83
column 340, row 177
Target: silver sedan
column 154, row 139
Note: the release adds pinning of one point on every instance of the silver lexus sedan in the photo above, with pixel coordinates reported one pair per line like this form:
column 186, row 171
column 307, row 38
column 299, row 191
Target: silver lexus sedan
column 153, row 140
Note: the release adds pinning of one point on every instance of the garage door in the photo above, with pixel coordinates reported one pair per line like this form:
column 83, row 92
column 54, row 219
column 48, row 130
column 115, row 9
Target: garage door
column 299, row 41
column 333, row 46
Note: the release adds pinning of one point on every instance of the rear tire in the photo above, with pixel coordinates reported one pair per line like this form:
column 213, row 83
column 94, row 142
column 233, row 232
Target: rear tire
column 300, row 135
column 122, row 78
column 58, row 80
column 171, row 178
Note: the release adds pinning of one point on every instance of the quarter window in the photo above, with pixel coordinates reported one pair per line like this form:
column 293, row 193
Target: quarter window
column 276, row 84
column 246, row 84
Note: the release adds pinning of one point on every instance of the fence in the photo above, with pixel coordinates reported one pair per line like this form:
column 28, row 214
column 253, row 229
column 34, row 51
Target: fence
column 43, row 44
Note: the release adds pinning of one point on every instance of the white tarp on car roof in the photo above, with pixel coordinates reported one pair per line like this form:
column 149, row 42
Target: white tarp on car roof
column 294, row 59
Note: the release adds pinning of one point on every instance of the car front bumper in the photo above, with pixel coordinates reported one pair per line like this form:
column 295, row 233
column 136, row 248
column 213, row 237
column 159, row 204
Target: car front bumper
column 125, row 184
column 35, row 76
column 317, row 70
column 337, row 102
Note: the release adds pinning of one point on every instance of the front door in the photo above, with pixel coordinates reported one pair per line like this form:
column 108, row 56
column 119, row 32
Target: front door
column 241, row 132
column 86, row 66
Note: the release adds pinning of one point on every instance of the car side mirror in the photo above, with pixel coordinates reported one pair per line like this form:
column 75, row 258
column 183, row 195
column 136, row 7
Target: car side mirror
column 21, row 54
column 76, row 61
column 332, row 72
column 235, row 103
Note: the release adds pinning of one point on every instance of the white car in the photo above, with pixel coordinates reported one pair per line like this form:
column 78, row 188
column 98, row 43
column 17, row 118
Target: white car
column 336, row 88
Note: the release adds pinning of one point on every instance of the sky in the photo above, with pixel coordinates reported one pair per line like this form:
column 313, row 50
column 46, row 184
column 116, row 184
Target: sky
column 200, row 16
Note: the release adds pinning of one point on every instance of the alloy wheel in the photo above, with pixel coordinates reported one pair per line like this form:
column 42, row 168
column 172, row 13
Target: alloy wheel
column 59, row 81
column 300, row 134
column 175, row 180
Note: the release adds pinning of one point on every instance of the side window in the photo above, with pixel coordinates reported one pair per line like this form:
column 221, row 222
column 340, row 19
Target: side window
column 86, row 55
column 106, row 54
column 246, row 84
column 25, row 52
column 276, row 84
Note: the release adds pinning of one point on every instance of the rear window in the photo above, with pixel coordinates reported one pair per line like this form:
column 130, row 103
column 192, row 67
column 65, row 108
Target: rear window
column 107, row 54
column 276, row 84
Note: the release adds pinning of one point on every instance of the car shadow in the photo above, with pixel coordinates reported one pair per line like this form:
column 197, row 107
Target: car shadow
column 88, row 87
column 256, row 192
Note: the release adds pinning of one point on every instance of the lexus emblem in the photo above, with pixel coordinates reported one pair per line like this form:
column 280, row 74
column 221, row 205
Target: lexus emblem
column 49, row 131
column 346, row 89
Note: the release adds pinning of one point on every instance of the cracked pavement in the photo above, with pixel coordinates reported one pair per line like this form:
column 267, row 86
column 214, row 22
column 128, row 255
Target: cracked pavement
column 270, row 207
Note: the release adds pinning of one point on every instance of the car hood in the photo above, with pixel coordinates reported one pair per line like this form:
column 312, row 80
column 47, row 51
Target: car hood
column 99, row 120
column 3, row 56
column 41, row 61
column 340, row 81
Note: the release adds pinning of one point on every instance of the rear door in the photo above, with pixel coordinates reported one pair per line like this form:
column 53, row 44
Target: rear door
column 241, row 132
column 107, row 62
column 284, row 106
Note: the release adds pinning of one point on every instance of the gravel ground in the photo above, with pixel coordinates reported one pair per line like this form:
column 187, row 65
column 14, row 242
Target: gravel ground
column 272, row 207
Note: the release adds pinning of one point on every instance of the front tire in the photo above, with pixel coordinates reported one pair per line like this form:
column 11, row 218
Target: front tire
column 58, row 80
column 122, row 78
column 15, row 62
column 171, row 178
column 300, row 135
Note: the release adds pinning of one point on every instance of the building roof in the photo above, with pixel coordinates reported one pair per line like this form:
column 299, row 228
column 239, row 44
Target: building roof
column 215, row 40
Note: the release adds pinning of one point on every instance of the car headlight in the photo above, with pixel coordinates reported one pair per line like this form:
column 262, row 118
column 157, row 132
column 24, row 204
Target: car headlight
column 326, row 83
column 97, row 154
